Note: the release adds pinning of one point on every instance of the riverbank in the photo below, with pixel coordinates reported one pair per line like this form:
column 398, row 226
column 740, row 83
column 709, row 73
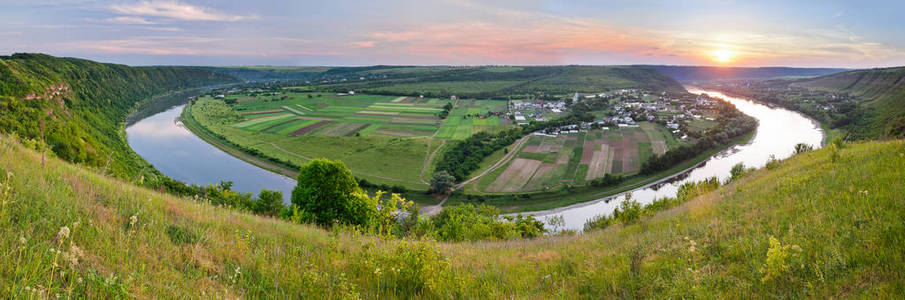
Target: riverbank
column 828, row 132
column 563, row 195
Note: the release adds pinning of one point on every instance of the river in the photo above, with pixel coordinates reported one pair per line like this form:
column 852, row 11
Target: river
column 178, row 153
column 778, row 131
column 174, row 150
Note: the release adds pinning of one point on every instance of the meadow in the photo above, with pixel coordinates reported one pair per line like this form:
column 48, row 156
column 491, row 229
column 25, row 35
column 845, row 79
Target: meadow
column 822, row 224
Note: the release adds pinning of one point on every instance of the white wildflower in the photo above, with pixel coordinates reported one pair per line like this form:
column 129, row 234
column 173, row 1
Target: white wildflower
column 22, row 240
column 132, row 220
column 64, row 233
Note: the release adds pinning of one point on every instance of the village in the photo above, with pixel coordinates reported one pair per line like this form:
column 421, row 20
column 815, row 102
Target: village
column 623, row 108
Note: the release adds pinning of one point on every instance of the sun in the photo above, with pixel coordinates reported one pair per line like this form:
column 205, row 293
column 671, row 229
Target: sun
column 723, row 55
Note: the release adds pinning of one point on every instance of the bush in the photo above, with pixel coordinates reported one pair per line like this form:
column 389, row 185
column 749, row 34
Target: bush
column 269, row 203
column 482, row 222
column 327, row 191
column 802, row 147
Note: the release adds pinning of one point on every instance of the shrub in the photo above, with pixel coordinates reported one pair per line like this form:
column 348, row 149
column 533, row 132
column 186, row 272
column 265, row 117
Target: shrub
column 802, row 147
column 327, row 191
column 269, row 203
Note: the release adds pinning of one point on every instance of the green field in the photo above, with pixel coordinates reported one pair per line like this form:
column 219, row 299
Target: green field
column 383, row 139
column 577, row 158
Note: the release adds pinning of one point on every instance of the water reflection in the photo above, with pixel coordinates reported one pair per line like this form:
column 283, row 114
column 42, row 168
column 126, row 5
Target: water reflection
column 777, row 133
column 161, row 140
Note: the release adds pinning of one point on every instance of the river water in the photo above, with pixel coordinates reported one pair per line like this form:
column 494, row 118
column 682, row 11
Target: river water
column 178, row 153
column 174, row 150
column 778, row 131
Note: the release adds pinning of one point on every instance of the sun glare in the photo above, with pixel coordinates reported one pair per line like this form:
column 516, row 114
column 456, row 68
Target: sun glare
column 722, row 55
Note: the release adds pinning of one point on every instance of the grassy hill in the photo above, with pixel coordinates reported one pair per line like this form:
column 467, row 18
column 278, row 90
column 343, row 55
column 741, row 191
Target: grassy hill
column 467, row 81
column 882, row 95
column 81, row 105
column 826, row 223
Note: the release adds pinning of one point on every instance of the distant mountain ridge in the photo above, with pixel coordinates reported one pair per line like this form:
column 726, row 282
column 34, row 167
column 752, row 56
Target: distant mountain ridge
column 705, row 73
column 77, row 106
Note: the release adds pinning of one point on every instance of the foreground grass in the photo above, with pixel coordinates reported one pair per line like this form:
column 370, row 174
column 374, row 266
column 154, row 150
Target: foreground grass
column 837, row 230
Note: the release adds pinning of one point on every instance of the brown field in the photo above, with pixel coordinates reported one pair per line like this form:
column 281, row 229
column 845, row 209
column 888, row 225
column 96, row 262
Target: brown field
column 541, row 175
column 531, row 149
column 515, row 176
column 322, row 105
column 310, row 128
column 659, row 147
column 600, row 163
column 343, row 129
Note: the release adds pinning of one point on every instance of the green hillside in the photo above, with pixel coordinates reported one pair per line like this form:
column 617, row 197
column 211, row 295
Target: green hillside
column 466, row 81
column 825, row 223
column 882, row 99
column 82, row 105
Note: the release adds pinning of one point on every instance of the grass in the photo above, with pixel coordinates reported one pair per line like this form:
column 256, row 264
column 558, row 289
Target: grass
column 835, row 227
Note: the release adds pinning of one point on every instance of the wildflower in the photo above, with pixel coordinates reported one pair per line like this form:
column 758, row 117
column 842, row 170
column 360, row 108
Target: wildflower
column 691, row 249
column 64, row 233
column 76, row 224
column 377, row 271
column 864, row 192
column 22, row 240
column 132, row 220
column 79, row 281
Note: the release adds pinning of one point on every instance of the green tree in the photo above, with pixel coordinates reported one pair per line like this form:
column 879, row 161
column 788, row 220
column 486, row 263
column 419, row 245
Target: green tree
column 327, row 191
column 269, row 203
column 442, row 182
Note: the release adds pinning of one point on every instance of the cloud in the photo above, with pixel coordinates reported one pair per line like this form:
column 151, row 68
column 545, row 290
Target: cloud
column 173, row 10
column 129, row 20
column 362, row 44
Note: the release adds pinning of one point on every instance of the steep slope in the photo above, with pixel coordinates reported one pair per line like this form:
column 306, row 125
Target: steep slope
column 822, row 224
column 882, row 99
column 78, row 106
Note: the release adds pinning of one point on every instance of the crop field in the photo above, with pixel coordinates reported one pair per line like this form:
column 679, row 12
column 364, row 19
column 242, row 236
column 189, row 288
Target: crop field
column 383, row 139
column 397, row 116
column 470, row 116
column 547, row 161
column 298, row 114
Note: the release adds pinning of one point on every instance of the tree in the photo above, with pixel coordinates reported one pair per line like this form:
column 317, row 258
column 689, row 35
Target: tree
column 269, row 203
column 802, row 147
column 442, row 182
column 326, row 191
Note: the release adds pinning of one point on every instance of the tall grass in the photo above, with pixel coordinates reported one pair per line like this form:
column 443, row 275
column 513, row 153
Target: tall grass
column 808, row 227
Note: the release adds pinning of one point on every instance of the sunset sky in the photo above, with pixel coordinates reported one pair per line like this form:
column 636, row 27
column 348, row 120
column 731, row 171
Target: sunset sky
column 522, row 32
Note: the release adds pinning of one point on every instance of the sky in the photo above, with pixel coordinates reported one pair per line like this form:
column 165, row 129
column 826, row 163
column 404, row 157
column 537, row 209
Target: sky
column 830, row 33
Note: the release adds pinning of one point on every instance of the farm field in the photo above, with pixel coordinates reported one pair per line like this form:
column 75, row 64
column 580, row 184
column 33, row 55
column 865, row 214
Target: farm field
column 546, row 161
column 383, row 139
column 326, row 114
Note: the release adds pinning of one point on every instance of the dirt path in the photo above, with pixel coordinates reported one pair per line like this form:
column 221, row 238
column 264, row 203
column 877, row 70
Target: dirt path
column 434, row 209
column 429, row 158
column 506, row 158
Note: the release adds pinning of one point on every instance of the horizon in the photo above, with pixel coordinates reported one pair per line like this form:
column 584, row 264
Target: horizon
column 768, row 34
